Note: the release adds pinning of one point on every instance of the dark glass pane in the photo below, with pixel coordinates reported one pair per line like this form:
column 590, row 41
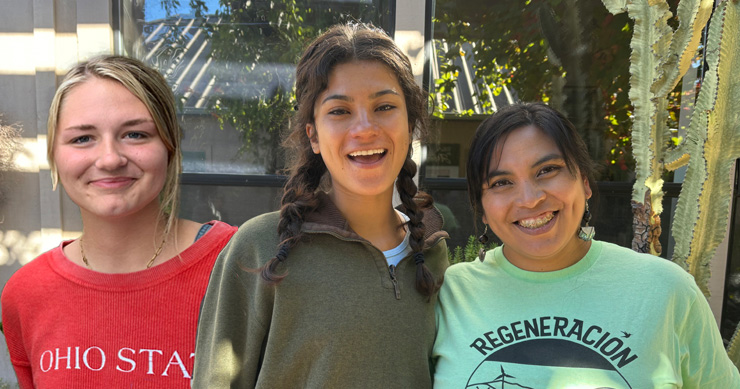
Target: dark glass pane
column 230, row 204
column 731, row 305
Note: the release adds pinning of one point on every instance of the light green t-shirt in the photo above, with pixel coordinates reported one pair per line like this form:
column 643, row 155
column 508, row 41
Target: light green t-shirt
column 615, row 319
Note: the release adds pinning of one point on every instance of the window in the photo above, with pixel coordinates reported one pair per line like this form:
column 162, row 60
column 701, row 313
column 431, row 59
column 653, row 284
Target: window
column 231, row 66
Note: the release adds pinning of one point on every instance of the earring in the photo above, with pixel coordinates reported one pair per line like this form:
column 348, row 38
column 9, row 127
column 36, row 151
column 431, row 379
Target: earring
column 586, row 233
column 483, row 239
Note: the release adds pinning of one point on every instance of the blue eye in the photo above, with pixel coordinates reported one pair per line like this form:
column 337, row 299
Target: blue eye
column 81, row 139
column 136, row 135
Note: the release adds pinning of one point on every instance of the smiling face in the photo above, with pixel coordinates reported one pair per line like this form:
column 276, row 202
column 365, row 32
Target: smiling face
column 109, row 156
column 533, row 203
column 361, row 129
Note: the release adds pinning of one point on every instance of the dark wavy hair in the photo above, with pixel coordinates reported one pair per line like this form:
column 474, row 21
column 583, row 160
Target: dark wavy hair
column 494, row 130
column 342, row 44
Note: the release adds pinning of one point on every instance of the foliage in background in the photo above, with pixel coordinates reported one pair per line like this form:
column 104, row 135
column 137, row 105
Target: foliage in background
column 260, row 42
column 570, row 54
column 470, row 252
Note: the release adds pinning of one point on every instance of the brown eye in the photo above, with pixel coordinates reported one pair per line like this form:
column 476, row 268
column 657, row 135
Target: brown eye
column 499, row 184
column 549, row 169
column 338, row 111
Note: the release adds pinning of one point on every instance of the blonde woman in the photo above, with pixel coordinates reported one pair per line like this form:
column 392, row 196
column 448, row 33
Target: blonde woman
column 119, row 305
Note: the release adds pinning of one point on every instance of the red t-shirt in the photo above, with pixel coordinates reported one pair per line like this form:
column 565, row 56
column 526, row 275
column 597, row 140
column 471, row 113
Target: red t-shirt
column 70, row 327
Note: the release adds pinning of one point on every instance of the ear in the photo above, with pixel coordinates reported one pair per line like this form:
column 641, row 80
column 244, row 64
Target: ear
column 587, row 187
column 485, row 221
column 313, row 138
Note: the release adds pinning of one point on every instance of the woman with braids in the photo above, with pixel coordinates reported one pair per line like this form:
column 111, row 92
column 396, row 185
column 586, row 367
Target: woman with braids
column 551, row 307
column 117, row 307
column 347, row 284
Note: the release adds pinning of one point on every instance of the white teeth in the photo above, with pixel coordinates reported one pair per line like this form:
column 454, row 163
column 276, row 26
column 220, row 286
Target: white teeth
column 366, row 152
column 536, row 222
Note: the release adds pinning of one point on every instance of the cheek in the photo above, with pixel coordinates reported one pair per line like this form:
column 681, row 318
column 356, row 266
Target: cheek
column 492, row 207
column 70, row 163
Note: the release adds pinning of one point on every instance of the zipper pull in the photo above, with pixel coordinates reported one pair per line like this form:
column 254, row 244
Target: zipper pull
column 392, row 271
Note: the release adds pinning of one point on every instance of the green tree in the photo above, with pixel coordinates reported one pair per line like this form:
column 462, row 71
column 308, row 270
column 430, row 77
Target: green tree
column 258, row 43
column 570, row 54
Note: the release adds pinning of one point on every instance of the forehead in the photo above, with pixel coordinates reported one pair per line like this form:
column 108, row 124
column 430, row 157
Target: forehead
column 360, row 76
column 94, row 94
column 521, row 147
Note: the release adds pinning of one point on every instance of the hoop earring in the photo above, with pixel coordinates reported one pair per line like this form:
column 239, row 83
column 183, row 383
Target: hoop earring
column 483, row 239
column 586, row 232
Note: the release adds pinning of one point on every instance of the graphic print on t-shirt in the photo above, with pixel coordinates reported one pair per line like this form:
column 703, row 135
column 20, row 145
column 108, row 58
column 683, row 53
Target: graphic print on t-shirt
column 551, row 351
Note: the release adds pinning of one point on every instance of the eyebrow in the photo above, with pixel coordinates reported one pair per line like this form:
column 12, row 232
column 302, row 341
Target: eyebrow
column 127, row 123
column 547, row 158
column 349, row 99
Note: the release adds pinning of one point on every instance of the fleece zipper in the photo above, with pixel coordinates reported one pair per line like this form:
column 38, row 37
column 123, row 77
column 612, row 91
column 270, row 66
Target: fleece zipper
column 391, row 268
column 392, row 271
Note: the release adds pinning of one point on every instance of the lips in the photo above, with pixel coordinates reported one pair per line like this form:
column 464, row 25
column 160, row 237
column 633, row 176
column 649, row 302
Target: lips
column 367, row 156
column 112, row 182
column 536, row 222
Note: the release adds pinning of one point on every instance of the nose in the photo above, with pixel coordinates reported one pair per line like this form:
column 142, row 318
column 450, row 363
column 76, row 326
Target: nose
column 363, row 125
column 530, row 194
column 111, row 156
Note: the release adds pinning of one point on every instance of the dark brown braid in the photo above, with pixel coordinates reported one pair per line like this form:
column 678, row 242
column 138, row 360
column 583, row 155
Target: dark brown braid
column 408, row 192
column 299, row 198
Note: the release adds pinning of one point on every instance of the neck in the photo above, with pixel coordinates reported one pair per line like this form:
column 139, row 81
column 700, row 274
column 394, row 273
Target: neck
column 371, row 217
column 572, row 254
column 122, row 245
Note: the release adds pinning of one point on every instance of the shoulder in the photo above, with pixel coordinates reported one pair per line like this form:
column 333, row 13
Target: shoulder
column 30, row 277
column 222, row 229
column 623, row 256
column 267, row 222
column 465, row 275
column 433, row 221
column 465, row 270
column 645, row 268
column 254, row 242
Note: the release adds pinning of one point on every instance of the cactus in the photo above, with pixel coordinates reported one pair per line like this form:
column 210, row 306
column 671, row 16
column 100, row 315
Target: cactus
column 712, row 144
column 659, row 58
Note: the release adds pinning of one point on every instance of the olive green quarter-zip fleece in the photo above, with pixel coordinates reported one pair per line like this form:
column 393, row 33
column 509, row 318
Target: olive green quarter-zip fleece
column 341, row 318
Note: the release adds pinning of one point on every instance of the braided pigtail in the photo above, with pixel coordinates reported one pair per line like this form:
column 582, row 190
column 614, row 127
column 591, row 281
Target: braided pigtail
column 407, row 190
column 299, row 199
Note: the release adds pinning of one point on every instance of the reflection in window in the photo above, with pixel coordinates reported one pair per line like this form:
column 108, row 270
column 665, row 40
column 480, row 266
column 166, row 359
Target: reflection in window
column 231, row 66
column 572, row 55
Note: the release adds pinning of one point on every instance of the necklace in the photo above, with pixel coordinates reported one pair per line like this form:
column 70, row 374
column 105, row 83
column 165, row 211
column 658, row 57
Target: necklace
column 148, row 264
